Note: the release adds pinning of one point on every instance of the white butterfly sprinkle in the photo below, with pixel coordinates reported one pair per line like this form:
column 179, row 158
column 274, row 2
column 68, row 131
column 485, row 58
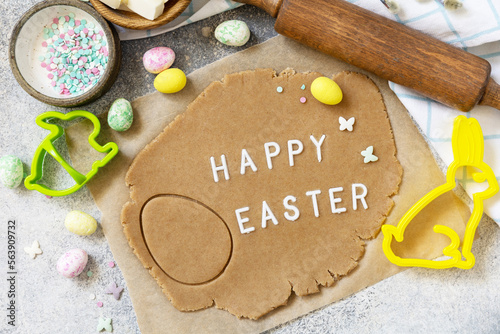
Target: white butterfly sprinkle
column 34, row 250
column 368, row 154
column 346, row 124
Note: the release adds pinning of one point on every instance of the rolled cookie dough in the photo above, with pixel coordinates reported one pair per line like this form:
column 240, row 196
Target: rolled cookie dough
column 239, row 201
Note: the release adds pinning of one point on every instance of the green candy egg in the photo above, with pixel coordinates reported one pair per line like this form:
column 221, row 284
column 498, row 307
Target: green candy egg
column 120, row 116
column 233, row 33
column 11, row 171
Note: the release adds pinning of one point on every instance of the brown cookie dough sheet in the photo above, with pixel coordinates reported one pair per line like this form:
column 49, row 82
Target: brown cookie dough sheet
column 182, row 222
column 155, row 313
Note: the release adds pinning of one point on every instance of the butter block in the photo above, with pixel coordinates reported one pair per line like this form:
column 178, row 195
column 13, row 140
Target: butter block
column 149, row 9
column 112, row 3
column 124, row 7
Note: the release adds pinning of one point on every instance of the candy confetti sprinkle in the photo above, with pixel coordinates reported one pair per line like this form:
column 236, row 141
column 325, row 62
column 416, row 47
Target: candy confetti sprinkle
column 346, row 124
column 111, row 264
column 34, row 250
column 279, row 89
column 114, row 289
column 75, row 54
column 104, row 324
column 303, row 99
column 368, row 154
column 99, row 304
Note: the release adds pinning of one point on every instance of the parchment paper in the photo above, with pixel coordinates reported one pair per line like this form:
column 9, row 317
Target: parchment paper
column 152, row 113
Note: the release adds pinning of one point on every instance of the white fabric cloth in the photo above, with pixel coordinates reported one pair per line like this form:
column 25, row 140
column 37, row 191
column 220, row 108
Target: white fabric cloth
column 196, row 11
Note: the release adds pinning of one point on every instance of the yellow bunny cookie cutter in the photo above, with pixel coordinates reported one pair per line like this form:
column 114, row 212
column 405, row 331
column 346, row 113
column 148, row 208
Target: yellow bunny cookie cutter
column 468, row 151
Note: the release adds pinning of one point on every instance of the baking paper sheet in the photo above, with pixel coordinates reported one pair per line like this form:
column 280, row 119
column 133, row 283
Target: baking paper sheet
column 152, row 113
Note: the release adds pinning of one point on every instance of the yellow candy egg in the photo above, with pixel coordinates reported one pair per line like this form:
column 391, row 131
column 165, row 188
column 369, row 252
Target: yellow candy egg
column 326, row 91
column 80, row 223
column 170, row 81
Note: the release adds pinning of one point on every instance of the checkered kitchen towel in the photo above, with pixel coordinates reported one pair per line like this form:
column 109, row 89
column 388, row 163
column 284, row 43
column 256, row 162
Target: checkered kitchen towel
column 196, row 11
column 474, row 27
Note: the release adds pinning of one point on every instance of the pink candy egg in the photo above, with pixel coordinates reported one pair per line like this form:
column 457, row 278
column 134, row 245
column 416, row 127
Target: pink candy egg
column 158, row 59
column 72, row 263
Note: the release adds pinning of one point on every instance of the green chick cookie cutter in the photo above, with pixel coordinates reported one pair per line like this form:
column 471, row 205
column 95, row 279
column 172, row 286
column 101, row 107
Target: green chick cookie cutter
column 47, row 146
column 468, row 150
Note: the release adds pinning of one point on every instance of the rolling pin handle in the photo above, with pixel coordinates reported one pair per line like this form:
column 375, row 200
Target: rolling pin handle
column 491, row 95
column 272, row 7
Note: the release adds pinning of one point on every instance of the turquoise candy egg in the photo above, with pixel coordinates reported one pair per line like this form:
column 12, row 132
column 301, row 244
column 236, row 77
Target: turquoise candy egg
column 120, row 115
column 11, row 171
column 233, row 32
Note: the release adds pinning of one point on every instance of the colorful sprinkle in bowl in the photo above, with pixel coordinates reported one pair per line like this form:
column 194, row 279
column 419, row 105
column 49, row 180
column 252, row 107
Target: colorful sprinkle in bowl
column 63, row 53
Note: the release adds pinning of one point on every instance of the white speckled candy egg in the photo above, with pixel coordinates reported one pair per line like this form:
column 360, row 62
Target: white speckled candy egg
column 120, row 115
column 158, row 59
column 72, row 263
column 233, row 32
column 11, row 171
column 80, row 223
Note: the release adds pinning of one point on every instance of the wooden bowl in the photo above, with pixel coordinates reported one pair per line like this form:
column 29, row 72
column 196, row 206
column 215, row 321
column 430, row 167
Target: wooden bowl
column 130, row 20
column 26, row 46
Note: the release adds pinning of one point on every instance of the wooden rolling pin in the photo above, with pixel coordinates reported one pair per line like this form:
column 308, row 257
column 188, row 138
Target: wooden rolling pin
column 389, row 49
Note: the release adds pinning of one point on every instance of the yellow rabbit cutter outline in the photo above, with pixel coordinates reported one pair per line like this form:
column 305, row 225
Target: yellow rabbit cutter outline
column 468, row 151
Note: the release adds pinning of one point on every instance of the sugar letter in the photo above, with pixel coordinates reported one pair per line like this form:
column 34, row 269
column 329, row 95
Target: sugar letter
column 313, row 194
column 361, row 197
column 292, row 152
column 288, row 206
column 267, row 214
column 334, row 200
column 246, row 161
column 318, row 145
column 241, row 220
column 222, row 167
column 270, row 154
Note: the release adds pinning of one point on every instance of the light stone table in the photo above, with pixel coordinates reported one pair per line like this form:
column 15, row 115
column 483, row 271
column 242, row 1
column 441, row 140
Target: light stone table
column 416, row 301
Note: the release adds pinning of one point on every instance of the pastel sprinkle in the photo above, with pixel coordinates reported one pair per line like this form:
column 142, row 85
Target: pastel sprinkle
column 90, row 273
column 303, row 99
column 279, row 89
column 34, row 249
column 114, row 289
column 104, row 324
column 66, row 41
column 99, row 304
column 303, row 87
column 92, row 296
column 368, row 155
column 111, row 264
